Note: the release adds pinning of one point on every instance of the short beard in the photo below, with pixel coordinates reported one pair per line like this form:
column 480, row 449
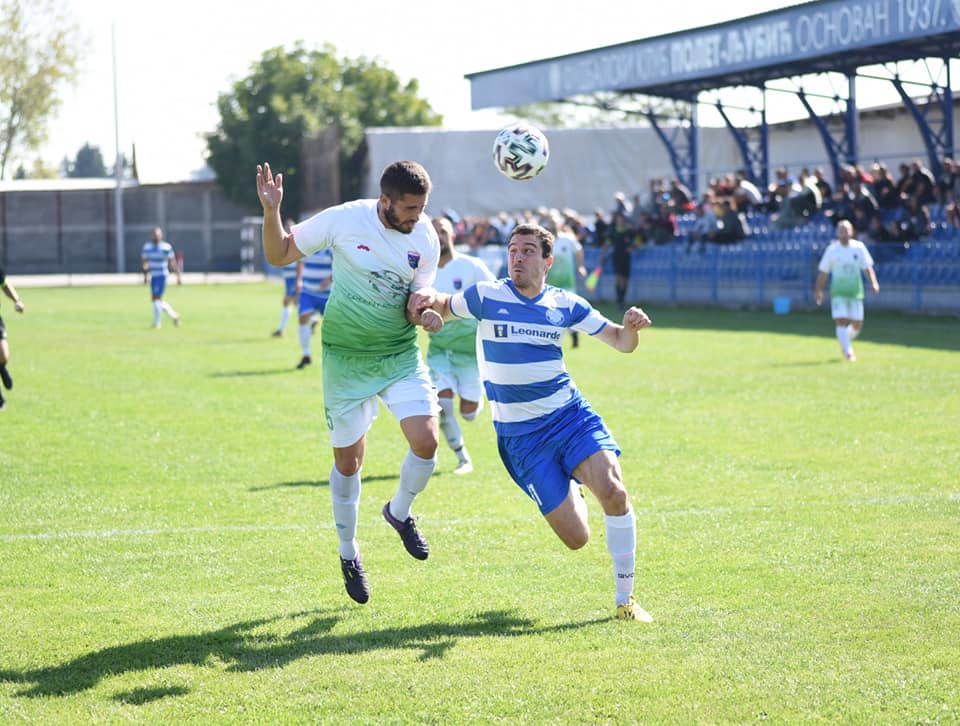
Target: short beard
column 393, row 221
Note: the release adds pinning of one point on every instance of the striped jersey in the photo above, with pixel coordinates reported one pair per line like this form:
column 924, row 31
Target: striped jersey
column 317, row 269
column 157, row 256
column 519, row 351
column 289, row 272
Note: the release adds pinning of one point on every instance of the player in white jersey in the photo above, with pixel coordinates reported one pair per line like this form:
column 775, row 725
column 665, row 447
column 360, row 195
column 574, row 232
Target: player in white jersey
column 157, row 259
column 383, row 250
column 314, row 280
column 291, row 292
column 547, row 432
column 567, row 262
column 452, row 357
column 844, row 262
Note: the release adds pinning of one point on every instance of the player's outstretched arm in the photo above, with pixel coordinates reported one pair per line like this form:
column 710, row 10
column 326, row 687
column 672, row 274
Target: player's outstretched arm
column 278, row 246
column 626, row 337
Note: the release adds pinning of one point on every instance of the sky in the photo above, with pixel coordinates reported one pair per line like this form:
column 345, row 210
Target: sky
column 174, row 57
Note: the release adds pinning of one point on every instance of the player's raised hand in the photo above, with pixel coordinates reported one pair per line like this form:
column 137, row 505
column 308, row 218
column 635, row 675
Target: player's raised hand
column 636, row 319
column 269, row 188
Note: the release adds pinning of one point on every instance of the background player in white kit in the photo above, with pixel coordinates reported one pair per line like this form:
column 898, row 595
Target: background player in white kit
column 547, row 432
column 383, row 249
column 844, row 262
column 452, row 356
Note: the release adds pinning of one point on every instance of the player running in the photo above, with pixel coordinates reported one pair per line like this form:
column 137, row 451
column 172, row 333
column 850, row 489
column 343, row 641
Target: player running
column 547, row 432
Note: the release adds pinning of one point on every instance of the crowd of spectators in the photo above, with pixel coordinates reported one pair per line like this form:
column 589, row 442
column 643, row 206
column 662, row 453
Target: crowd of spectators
column 881, row 208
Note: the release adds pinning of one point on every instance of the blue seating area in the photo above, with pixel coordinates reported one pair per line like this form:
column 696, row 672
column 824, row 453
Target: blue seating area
column 773, row 262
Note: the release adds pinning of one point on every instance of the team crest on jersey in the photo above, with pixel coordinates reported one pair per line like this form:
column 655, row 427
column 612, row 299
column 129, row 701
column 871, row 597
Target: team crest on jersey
column 554, row 316
column 457, row 283
column 500, row 330
column 413, row 258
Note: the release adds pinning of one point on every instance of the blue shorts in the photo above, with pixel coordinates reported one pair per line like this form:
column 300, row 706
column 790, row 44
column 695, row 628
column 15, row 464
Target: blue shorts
column 290, row 287
column 542, row 462
column 158, row 283
column 312, row 303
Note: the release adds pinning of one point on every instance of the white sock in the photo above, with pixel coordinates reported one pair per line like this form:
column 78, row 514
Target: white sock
column 284, row 317
column 345, row 492
column 854, row 332
column 414, row 475
column 449, row 426
column 156, row 313
column 843, row 336
column 165, row 306
column 304, row 333
column 622, row 543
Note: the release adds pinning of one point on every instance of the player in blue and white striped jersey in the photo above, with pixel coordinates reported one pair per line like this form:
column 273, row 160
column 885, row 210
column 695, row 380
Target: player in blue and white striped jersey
column 314, row 280
column 157, row 259
column 291, row 293
column 547, row 432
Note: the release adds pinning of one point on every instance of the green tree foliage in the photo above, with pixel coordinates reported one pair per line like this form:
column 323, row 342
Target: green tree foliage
column 292, row 94
column 88, row 163
column 39, row 51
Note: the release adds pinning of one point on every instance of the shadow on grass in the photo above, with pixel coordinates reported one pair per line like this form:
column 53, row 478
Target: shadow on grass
column 255, row 645
column 880, row 326
column 319, row 482
column 140, row 696
column 245, row 374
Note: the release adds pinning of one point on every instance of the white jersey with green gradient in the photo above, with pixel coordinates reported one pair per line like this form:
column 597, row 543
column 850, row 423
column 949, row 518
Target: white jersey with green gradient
column 459, row 336
column 375, row 269
column 563, row 272
column 845, row 265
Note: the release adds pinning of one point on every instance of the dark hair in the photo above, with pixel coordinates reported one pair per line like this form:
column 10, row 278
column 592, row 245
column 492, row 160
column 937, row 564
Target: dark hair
column 544, row 236
column 404, row 177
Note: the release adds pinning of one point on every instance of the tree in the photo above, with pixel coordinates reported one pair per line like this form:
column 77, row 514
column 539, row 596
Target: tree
column 39, row 51
column 291, row 94
column 89, row 163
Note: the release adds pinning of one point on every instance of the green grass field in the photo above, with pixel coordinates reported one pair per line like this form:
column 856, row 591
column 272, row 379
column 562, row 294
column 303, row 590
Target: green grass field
column 168, row 553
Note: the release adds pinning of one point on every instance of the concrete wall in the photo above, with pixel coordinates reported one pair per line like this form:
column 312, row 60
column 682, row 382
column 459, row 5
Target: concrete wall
column 588, row 166
column 72, row 230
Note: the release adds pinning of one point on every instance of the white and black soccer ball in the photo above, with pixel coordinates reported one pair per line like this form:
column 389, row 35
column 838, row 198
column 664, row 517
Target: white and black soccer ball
column 520, row 151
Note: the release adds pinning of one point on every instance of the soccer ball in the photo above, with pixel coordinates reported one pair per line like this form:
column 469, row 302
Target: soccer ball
column 520, row 151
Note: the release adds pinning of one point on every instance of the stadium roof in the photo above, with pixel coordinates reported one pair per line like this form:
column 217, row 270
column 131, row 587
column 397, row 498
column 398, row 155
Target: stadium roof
column 813, row 37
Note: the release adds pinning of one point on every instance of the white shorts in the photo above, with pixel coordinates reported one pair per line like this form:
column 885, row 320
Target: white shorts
column 456, row 371
column 850, row 308
column 411, row 396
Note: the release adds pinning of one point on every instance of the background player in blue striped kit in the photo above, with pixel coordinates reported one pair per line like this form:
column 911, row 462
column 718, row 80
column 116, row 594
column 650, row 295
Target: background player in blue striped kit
column 547, row 432
column 157, row 259
column 314, row 279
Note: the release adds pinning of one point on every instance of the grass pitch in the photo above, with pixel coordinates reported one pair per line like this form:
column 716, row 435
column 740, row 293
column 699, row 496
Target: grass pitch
column 168, row 553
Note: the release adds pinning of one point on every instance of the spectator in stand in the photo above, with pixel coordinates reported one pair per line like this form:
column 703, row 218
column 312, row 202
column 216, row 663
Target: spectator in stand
column 884, row 190
column 600, row 228
column 826, row 191
column 877, row 232
column 905, row 183
column 704, row 224
column 924, row 185
column 912, row 221
column 620, row 204
column 504, row 225
column 731, row 225
column 746, row 195
column 802, row 200
column 948, row 185
column 681, row 198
